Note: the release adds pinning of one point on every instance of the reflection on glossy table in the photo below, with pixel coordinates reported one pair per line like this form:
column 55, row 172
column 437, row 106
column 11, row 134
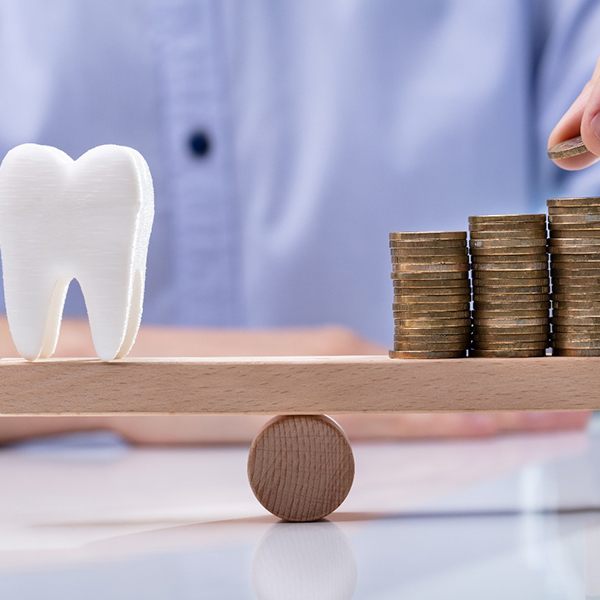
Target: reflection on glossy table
column 515, row 517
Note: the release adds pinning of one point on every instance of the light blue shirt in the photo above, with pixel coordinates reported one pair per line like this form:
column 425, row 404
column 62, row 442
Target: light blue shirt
column 330, row 123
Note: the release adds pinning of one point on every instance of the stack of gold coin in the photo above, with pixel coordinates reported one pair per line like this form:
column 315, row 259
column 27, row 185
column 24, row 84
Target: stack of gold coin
column 511, row 286
column 575, row 264
column 430, row 272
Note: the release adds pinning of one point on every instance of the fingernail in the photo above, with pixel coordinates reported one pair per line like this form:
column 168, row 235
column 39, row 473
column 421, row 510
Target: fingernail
column 595, row 125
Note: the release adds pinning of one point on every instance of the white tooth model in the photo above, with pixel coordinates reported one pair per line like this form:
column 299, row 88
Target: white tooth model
column 88, row 219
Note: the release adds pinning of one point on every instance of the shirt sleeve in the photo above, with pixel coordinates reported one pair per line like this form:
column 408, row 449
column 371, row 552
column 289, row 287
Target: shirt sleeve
column 567, row 47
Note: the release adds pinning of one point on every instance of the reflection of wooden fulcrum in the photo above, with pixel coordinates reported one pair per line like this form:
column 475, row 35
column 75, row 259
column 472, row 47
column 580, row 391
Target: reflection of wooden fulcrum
column 300, row 465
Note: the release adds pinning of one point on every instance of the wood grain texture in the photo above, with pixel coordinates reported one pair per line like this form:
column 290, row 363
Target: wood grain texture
column 301, row 468
column 303, row 385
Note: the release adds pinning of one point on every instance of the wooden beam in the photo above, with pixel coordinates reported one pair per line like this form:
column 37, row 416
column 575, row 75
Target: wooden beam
column 303, row 385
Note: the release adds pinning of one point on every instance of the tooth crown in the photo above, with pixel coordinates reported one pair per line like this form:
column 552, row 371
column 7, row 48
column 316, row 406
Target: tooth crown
column 88, row 219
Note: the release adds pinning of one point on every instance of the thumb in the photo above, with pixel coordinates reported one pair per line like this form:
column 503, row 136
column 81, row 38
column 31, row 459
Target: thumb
column 590, row 122
column 583, row 110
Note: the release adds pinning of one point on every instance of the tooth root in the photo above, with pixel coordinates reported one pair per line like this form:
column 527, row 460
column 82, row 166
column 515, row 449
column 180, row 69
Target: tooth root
column 135, row 314
column 34, row 306
column 114, row 315
column 55, row 311
column 108, row 308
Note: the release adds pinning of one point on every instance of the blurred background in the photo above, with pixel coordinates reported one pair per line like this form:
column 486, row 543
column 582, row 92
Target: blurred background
column 287, row 139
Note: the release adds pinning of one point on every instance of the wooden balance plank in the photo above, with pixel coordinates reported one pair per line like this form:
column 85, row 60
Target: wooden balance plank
column 303, row 385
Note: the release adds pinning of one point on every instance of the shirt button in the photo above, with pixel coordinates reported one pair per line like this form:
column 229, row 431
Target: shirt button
column 199, row 144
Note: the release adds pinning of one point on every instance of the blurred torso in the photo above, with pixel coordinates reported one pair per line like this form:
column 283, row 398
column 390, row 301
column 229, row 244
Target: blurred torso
column 330, row 124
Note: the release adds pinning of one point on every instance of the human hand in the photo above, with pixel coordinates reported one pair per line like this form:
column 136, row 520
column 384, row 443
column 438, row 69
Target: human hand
column 582, row 118
column 458, row 425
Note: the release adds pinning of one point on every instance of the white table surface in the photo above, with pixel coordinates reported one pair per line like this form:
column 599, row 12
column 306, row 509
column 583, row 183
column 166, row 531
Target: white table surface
column 510, row 518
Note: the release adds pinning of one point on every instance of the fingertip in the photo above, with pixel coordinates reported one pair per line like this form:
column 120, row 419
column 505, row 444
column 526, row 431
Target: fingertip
column 590, row 132
column 575, row 163
column 569, row 124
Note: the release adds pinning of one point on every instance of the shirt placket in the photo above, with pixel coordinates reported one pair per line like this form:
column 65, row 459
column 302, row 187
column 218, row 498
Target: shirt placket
column 195, row 131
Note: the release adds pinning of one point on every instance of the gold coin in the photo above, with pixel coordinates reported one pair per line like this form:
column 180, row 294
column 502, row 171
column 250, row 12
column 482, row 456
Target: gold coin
column 432, row 320
column 574, row 251
column 501, row 227
column 574, row 241
column 507, row 353
column 510, row 306
column 582, row 302
column 518, row 338
column 438, row 295
column 573, row 219
column 576, row 336
column 559, row 276
column 566, row 342
column 569, row 328
column 519, row 251
column 585, row 260
column 564, row 314
column 450, row 299
column 491, row 302
column 410, row 314
column 423, row 261
column 483, row 330
column 430, row 275
column 516, row 300
column 432, row 268
column 429, row 254
column 567, row 149
column 571, row 272
column 494, row 284
column 432, row 326
column 576, row 294
column 575, row 352
column 426, row 354
column 510, row 345
column 583, row 201
column 569, row 282
column 566, row 321
column 512, row 322
column 442, row 335
column 508, row 234
column 431, row 346
column 461, row 281
column 568, row 232
column 431, row 323
column 493, row 319
column 511, row 266
column 425, row 236
column 580, row 230
column 432, row 306
column 508, row 277
column 574, row 210
column 528, row 218
column 534, row 245
column 509, row 315
column 529, row 257
column 580, row 309
column 574, row 344
column 435, row 245
column 510, row 258
column 525, row 291
column 592, row 346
